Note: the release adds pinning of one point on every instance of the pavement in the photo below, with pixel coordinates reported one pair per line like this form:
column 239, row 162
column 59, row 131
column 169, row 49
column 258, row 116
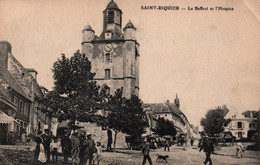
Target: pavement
column 22, row 154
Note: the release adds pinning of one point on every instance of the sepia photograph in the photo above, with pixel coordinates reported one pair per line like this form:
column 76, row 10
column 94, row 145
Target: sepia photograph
column 129, row 82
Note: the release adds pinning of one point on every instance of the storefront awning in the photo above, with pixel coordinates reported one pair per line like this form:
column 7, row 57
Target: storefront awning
column 5, row 119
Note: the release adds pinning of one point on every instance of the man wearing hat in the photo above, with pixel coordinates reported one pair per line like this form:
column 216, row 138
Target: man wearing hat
column 46, row 142
column 90, row 149
column 75, row 144
column 208, row 147
column 66, row 146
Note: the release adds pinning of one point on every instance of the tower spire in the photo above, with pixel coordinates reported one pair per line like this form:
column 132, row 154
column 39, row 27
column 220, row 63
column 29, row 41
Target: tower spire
column 177, row 101
column 112, row 21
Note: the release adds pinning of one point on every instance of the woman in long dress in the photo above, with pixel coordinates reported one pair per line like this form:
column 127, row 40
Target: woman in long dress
column 38, row 141
column 42, row 156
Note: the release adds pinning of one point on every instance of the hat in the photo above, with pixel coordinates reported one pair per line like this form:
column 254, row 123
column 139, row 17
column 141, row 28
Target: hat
column 45, row 127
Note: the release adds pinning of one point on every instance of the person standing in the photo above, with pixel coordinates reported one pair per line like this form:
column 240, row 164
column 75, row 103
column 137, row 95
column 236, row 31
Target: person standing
column 146, row 151
column 90, row 149
column 208, row 147
column 240, row 149
column 192, row 141
column 23, row 137
column 98, row 153
column 46, row 143
column 54, row 149
column 109, row 140
column 75, row 144
column 167, row 144
column 82, row 138
column 38, row 141
column 66, row 146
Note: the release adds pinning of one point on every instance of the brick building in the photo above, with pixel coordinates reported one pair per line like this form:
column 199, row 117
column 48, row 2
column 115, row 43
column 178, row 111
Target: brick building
column 114, row 54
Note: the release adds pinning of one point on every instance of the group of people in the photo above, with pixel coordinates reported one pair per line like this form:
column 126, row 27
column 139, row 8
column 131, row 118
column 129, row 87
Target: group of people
column 81, row 148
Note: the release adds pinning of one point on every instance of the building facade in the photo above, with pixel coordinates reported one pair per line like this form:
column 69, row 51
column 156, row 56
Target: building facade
column 171, row 112
column 242, row 126
column 114, row 55
column 19, row 92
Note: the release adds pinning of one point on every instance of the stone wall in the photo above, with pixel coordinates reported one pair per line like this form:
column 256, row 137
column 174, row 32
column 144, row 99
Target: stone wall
column 101, row 135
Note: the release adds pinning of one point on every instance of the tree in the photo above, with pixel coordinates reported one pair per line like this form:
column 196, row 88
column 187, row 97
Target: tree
column 214, row 121
column 125, row 115
column 135, row 119
column 164, row 127
column 75, row 95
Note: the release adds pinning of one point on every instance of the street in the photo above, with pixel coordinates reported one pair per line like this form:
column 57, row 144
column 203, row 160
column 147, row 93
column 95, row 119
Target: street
column 177, row 156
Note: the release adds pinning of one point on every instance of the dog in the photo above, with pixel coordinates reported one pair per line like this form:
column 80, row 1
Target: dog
column 162, row 158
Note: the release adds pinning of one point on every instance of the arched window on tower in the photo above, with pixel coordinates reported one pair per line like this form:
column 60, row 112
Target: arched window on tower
column 110, row 16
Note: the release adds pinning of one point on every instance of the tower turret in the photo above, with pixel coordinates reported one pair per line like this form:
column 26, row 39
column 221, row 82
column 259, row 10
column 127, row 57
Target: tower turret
column 88, row 34
column 129, row 31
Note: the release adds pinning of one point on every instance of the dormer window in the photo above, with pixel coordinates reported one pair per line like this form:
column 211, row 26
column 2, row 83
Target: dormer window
column 108, row 35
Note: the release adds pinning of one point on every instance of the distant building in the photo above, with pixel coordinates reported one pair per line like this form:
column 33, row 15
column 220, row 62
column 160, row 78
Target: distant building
column 114, row 55
column 19, row 92
column 171, row 112
column 243, row 126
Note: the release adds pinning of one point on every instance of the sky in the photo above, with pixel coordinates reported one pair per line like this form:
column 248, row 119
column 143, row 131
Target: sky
column 210, row 58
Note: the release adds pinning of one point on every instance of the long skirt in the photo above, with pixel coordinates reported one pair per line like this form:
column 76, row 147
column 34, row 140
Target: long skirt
column 42, row 156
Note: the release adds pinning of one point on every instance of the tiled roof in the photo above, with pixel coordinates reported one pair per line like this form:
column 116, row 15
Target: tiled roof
column 112, row 5
column 164, row 107
column 12, row 82
column 129, row 25
column 88, row 28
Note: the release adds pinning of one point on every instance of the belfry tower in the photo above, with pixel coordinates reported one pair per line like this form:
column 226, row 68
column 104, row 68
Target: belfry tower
column 114, row 55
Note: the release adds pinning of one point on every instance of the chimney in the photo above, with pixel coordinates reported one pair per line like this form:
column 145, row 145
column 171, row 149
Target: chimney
column 251, row 114
column 5, row 48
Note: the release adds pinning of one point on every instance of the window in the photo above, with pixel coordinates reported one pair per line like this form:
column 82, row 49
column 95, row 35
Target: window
column 240, row 134
column 107, row 73
column 21, row 107
column 108, row 57
column 15, row 101
column 230, row 125
column 26, row 108
column 12, row 99
column 110, row 17
column 239, row 124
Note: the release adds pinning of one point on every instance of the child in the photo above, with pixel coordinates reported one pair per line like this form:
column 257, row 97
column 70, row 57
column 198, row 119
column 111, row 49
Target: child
column 54, row 148
column 98, row 153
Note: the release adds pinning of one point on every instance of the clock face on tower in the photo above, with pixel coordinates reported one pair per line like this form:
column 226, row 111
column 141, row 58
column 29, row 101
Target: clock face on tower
column 108, row 47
